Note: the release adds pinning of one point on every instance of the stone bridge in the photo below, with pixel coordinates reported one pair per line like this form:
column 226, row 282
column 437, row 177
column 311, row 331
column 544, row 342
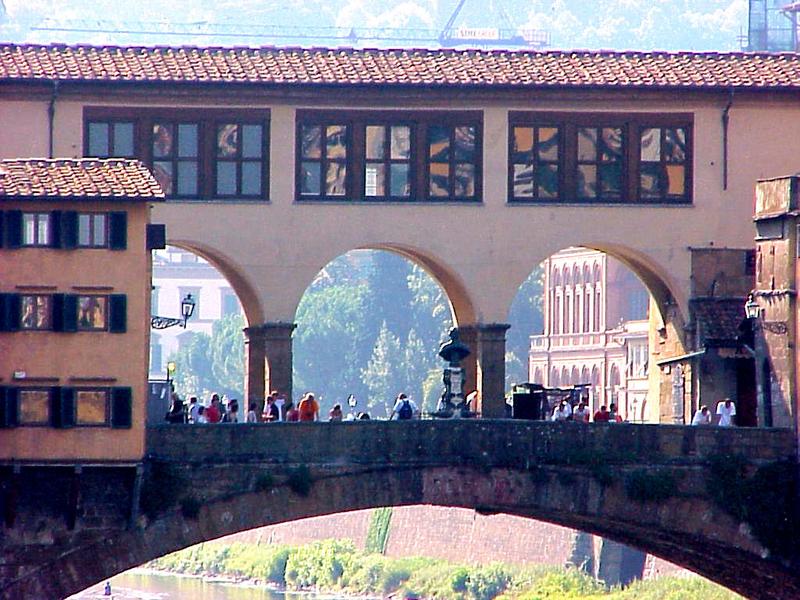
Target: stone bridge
column 721, row 502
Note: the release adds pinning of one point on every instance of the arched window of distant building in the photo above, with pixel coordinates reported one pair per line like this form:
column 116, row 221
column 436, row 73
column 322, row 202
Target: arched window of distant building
column 598, row 299
column 564, row 376
column 554, row 378
column 587, row 298
column 596, row 387
column 537, row 376
column 567, row 301
column 555, row 295
column 575, row 376
column 584, row 375
column 613, row 384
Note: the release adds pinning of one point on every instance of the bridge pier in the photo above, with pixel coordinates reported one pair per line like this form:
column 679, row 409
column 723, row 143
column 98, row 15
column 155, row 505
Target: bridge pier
column 485, row 368
column 268, row 360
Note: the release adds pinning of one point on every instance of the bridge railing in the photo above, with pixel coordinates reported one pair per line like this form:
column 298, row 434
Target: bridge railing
column 489, row 442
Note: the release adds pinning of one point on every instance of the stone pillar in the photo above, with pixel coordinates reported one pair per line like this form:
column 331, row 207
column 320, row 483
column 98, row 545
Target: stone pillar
column 255, row 357
column 491, row 373
column 469, row 337
column 278, row 348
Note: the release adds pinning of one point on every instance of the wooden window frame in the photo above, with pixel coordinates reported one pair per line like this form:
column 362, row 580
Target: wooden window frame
column 50, row 309
column 93, row 245
column 36, row 242
column 419, row 122
column 144, row 118
column 239, row 160
column 175, row 158
column 106, row 315
column 112, row 127
column 47, row 390
column 632, row 124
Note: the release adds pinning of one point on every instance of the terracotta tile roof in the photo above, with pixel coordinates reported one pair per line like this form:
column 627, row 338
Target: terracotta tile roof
column 719, row 320
column 440, row 68
column 89, row 178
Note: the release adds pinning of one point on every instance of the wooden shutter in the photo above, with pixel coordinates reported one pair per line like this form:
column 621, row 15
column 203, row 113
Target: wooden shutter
column 121, row 407
column 69, row 313
column 13, row 228
column 57, row 306
column 69, row 229
column 9, row 407
column 10, row 307
column 62, row 407
column 118, row 313
column 55, row 229
column 118, row 230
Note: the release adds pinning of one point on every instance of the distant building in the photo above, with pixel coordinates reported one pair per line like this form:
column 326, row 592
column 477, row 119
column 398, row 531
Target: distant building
column 177, row 273
column 74, row 331
column 595, row 331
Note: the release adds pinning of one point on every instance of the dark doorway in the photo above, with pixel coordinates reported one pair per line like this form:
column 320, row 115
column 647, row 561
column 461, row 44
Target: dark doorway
column 767, row 397
column 747, row 398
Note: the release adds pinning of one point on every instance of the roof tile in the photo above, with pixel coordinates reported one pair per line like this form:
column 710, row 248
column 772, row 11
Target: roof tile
column 526, row 69
column 88, row 179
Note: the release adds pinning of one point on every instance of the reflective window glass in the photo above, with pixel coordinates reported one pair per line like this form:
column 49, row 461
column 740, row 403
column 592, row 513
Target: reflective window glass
column 226, row 178
column 92, row 314
column 91, row 407
column 34, row 407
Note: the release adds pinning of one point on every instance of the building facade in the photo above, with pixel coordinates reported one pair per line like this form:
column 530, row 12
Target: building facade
column 74, row 279
column 177, row 273
column 596, row 331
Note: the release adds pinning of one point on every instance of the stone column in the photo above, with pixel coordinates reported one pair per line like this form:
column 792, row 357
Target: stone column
column 278, row 349
column 492, row 369
column 255, row 356
column 469, row 337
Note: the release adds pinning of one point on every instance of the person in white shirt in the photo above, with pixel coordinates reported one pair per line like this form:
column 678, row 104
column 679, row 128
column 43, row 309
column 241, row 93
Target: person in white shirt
column 726, row 410
column 404, row 408
column 562, row 412
column 194, row 407
column 702, row 416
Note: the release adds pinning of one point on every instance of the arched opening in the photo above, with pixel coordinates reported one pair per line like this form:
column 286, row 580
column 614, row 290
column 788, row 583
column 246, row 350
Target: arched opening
column 583, row 316
column 207, row 356
column 370, row 326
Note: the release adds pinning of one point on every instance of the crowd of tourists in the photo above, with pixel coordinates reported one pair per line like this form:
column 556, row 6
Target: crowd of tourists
column 276, row 408
column 564, row 411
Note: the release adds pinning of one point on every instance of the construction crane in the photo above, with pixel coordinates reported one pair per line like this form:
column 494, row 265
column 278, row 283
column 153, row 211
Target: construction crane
column 449, row 36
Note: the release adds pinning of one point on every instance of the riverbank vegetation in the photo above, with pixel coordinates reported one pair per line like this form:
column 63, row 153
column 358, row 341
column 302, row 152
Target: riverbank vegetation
column 337, row 566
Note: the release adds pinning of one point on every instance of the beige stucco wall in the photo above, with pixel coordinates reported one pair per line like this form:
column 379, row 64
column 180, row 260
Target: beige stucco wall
column 481, row 253
column 63, row 357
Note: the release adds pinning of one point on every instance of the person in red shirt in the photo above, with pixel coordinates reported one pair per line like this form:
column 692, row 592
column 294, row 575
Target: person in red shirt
column 292, row 415
column 602, row 415
column 213, row 413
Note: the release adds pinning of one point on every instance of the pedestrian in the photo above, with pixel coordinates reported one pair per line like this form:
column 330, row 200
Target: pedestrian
column 581, row 413
column 308, row 408
column 193, row 408
column 271, row 412
column 233, row 411
column 251, row 414
column 335, row 414
column 404, row 407
column 213, row 414
column 613, row 416
column 176, row 413
column 726, row 411
column 602, row 415
column 363, row 416
column 201, row 414
column 702, row 416
column 292, row 415
column 562, row 411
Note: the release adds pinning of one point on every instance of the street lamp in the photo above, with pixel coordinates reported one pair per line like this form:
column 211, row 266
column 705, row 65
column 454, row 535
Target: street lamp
column 187, row 310
column 751, row 308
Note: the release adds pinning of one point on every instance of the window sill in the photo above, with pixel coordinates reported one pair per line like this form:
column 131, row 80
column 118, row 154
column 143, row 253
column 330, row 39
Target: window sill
column 605, row 203
column 217, row 201
column 412, row 202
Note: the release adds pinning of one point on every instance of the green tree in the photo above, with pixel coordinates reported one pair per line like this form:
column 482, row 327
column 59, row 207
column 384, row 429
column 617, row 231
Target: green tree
column 525, row 318
column 380, row 376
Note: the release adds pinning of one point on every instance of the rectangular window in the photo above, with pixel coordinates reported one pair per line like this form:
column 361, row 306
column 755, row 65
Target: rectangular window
column 193, row 153
column 599, row 157
column 110, row 139
column 176, row 157
column 34, row 407
column 92, row 313
column 92, row 230
column 389, row 156
column 36, row 312
column 535, row 158
column 91, row 407
column 36, row 229
column 230, row 303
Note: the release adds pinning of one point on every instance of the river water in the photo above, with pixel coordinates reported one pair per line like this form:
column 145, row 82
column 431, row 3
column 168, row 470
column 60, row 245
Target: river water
column 144, row 585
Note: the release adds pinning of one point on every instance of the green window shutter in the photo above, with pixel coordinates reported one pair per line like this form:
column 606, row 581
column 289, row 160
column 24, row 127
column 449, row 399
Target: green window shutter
column 55, row 229
column 118, row 313
column 12, row 231
column 10, row 307
column 9, row 407
column 57, row 306
column 156, row 236
column 118, row 230
column 121, row 407
column 69, row 229
column 62, row 407
column 69, row 312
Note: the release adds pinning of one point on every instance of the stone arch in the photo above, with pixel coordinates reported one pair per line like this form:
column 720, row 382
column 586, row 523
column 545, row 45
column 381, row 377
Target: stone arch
column 248, row 297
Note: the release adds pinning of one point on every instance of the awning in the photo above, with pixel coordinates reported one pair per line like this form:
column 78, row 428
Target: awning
column 679, row 358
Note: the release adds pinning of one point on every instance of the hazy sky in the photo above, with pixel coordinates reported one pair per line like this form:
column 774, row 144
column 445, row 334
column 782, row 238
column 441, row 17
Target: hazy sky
column 619, row 24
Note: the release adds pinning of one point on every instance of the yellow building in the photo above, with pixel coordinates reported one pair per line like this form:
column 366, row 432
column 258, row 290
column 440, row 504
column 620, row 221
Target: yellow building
column 75, row 276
